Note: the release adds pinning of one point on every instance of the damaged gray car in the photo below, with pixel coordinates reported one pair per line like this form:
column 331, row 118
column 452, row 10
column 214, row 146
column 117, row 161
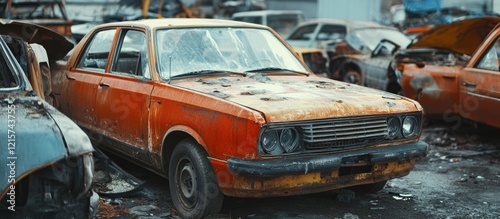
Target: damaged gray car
column 46, row 159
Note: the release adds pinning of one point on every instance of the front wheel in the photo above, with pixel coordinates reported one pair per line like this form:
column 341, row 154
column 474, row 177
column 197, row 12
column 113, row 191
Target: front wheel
column 192, row 182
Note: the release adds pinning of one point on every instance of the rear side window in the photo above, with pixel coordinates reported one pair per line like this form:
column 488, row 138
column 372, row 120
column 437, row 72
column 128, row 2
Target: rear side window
column 250, row 19
column 332, row 32
column 490, row 59
column 303, row 33
column 97, row 51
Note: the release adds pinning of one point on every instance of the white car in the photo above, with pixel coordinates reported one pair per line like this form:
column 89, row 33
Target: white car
column 324, row 33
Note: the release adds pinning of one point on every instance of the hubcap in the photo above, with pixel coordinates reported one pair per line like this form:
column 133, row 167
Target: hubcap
column 352, row 78
column 187, row 183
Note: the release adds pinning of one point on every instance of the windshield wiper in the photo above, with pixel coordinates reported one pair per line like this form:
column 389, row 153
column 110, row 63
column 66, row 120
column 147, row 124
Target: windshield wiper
column 277, row 69
column 202, row 72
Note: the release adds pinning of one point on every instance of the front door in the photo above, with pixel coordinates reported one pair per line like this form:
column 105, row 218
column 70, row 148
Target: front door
column 82, row 80
column 480, row 84
column 123, row 96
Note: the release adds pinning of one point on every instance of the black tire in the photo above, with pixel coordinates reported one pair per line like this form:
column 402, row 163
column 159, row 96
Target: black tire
column 193, row 185
column 369, row 188
column 352, row 76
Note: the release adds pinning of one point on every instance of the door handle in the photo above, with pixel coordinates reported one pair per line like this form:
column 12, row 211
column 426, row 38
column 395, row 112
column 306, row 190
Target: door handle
column 448, row 77
column 70, row 78
column 101, row 84
column 471, row 85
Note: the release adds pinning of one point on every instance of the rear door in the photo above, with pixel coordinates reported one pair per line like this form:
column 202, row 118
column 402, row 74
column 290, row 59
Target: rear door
column 123, row 95
column 79, row 92
column 480, row 84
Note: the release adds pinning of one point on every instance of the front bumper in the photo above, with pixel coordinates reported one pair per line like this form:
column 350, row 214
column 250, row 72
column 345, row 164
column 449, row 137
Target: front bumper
column 305, row 165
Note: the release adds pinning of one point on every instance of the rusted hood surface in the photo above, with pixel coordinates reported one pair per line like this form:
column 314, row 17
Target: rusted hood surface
column 32, row 137
column 294, row 98
column 462, row 37
column 56, row 45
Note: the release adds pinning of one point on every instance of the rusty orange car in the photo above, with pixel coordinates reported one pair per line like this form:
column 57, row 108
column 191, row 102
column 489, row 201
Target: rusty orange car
column 227, row 108
column 453, row 71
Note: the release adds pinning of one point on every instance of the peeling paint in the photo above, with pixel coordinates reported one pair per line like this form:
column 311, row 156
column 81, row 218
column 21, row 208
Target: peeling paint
column 425, row 85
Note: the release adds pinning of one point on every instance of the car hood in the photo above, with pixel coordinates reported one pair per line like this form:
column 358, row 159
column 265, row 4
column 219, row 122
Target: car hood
column 56, row 45
column 462, row 37
column 295, row 98
column 37, row 136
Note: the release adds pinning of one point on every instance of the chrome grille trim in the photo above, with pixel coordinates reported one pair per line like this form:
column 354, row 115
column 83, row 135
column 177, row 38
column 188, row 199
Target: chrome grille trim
column 340, row 134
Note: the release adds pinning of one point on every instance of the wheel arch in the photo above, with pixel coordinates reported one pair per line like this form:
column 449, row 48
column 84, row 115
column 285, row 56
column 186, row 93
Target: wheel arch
column 173, row 136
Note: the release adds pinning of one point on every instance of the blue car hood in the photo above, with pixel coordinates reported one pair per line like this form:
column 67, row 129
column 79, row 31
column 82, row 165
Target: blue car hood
column 35, row 136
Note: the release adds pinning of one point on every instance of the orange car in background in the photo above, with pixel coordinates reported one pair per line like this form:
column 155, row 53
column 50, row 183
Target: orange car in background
column 227, row 108
column 453, row 71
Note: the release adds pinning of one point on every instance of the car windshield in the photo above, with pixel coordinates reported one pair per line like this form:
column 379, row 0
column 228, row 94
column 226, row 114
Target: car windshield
column 365, row 40
column 188, row 50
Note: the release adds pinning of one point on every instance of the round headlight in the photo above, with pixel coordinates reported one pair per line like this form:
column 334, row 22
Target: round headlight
column 410, row 127
column 289, row 140
column 269, row 142
column 393, row 127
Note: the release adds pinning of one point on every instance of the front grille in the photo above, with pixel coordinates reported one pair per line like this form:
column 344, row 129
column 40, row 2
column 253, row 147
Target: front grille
column 344, row 134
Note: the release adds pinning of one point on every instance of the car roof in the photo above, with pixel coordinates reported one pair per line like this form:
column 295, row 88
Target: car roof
column 264, row 12
column 182, row 22
column 347, row 22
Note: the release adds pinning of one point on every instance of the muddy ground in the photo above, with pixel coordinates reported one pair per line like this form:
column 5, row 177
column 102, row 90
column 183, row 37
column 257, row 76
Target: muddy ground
column 460, row 178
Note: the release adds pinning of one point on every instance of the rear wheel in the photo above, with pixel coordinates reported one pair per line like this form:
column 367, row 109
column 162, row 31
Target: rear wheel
column 192, row 182
column 352, row 76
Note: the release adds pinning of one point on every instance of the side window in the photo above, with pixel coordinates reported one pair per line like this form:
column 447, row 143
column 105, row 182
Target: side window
column 303, row 33
column 97, row 52
column 332, row 32
column 131, row 57
column 490, row 60
column 250, row 19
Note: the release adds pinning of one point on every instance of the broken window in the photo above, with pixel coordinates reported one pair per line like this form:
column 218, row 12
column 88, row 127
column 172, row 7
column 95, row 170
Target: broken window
column 490, row 60
column 97, row 52
column 132, row 55
column 7, row 76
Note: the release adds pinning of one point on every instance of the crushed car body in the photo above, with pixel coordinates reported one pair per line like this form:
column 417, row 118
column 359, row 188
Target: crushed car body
column 452, row 70
column 47, row 163
column 227, row 108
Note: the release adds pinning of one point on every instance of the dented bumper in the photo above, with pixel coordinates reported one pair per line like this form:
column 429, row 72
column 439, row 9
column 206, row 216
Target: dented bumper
column 296, row 176
column 270, row 168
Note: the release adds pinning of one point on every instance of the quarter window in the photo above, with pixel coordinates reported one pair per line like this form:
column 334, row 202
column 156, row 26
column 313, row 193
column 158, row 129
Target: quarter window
column 97, row 52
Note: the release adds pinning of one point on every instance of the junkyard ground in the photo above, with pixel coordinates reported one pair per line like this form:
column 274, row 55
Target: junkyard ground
column 459, row 178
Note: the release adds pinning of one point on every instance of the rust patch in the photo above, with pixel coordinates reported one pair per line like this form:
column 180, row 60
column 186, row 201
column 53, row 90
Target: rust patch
column 260, row 77
column 253, row 92
column 219, row 94
column 390, row 104
column 224, row 82
column 326, row 85
column 425, row 85
column 273, row 98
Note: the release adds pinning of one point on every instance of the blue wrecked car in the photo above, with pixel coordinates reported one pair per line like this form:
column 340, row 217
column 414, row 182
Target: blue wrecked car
column 46, row 162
